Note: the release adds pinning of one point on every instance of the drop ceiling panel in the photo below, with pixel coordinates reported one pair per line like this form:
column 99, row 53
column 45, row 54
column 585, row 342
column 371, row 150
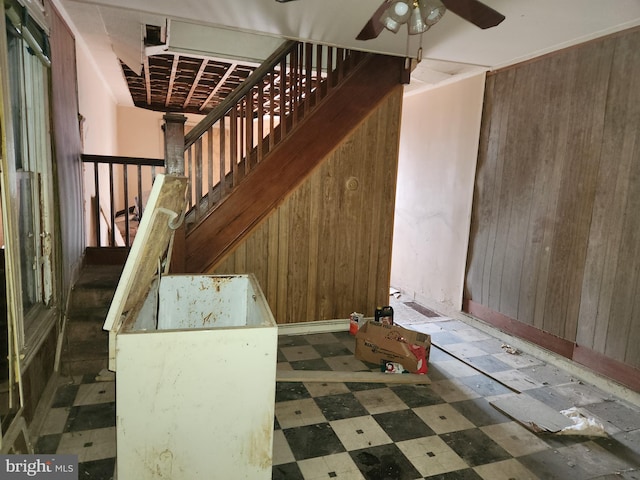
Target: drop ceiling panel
column 192, row 38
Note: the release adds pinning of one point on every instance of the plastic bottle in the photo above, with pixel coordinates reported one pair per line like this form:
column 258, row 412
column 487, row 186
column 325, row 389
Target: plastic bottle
column 384, row 315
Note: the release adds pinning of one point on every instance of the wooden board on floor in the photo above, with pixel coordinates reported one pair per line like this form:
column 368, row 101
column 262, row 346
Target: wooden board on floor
column 331, row 376
column 532, row 413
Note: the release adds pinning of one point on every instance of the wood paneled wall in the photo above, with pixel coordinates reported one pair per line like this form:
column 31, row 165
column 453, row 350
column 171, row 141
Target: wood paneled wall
column 555, row 239
column 326, row 251
column 67, row 149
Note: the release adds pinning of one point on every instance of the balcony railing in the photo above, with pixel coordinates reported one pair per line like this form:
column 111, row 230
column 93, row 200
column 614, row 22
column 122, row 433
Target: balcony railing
column 117, row 180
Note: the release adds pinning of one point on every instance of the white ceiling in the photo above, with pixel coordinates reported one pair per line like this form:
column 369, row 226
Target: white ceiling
column 453, row 47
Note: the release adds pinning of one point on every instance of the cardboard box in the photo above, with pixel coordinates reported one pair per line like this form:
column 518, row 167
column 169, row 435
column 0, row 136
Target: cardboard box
column 377, row 343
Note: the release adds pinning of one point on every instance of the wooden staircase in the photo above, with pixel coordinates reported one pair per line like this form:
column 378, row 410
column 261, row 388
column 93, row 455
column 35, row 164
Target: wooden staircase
column 86, row 345
column 291, row 162
column 277, row 169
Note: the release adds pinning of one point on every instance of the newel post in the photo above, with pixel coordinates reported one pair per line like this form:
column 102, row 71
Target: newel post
column 174, row 143
column 174, row 165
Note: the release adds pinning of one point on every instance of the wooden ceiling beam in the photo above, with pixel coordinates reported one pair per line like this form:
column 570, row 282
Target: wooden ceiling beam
column 224, row 78
column 196, row 81
column 172, row 78
column 147, row 79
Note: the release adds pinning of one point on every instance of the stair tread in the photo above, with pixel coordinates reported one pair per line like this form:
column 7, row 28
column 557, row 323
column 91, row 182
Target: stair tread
column 86, row 344
column 99, row 276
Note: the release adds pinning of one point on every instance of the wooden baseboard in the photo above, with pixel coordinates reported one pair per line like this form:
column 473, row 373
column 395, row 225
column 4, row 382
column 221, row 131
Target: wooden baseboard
column 617, row 371
column 543, row 339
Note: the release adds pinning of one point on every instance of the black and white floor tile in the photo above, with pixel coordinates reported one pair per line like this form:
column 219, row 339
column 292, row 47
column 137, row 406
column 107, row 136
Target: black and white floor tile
column 81, row 421
column 447, row 430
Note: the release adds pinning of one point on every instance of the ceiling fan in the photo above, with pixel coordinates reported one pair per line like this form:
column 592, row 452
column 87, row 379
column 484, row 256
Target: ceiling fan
column 420, row 15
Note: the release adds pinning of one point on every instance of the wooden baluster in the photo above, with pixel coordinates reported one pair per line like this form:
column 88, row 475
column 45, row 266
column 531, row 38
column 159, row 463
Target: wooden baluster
column 223, row 155
column 248, row 139
column 283, row 99
column 96, row 180
column 241, row 142
column 140, row 204
column 330, row 72
column 260, row 132
column 187, row 167
column 210, row 162
column 272, row 110
column 340, row 64
column 293, row 82
column 308, row 76
column 112, row 206
column 197, row 180
column 127, row 227
column 319, row 57
column 233, row 145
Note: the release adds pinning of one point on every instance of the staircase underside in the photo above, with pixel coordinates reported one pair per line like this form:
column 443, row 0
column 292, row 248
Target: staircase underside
column 291, row 162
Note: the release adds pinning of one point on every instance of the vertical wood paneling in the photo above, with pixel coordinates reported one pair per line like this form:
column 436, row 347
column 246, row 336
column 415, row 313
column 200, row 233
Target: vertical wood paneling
column 627, row 59
column 67, row 147
column 347, row 218
column 588, row 80
column 365, row 269
column 282, row 259
column 384, row 178
column 326, row 250
column 515, row 184
column 557, row 99
column 315, row 204
column 271, row 285
column 555, row 224
column 549, row 106
column 327, row 243
column 298, row 254
column 478, row 233
column 494, row 262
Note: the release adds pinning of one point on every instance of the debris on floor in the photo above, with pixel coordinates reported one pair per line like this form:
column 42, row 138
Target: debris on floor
column 510, row 349
column 335, row 376
column 105, row 375
column 583, row 425
column 532, row 413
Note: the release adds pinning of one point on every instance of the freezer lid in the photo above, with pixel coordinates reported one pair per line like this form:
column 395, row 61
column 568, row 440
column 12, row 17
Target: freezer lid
column 163, row 214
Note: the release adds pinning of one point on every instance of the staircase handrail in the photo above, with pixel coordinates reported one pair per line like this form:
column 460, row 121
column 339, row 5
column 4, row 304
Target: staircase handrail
column 240, row 91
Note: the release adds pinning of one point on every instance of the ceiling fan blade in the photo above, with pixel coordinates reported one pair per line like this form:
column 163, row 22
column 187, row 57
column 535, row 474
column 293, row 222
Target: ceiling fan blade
column 374, row 26
column 475, row 12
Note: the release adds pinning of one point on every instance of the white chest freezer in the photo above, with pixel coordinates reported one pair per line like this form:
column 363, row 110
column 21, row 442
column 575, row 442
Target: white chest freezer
column 195, row 362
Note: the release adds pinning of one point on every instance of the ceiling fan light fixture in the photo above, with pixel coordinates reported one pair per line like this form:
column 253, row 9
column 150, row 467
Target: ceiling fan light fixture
column 396, row 15
column 416, row 23
column 432, row 11
column 424, row 15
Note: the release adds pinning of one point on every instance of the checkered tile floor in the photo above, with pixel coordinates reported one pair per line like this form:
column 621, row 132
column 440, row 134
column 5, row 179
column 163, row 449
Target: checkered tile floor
column 446, row 430
column 81, row 420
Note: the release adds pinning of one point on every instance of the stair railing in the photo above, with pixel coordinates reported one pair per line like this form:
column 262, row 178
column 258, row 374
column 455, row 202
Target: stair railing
column 234, row 137
column 226, row 146
column 120, row 186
